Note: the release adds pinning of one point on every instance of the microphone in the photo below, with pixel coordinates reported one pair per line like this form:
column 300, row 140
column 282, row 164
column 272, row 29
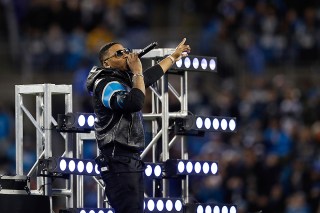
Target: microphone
column 147, row 49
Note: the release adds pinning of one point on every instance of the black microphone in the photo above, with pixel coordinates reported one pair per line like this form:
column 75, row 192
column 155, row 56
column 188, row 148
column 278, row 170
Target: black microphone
column 147, row 49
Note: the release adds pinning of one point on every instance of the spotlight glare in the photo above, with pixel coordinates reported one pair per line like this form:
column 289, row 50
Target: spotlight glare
column 216, row 209
column 214, row 168
column 157, row 170
column 148, row 170
column 199, row 122
column 189, row 167
column 91, row 211
column 90, row 120
column 204, row 63
column 187, row 62
column 89, row 167
column 212, row 64
column 80, row 166
column 72, row 165
column 197, row 167
column 215, row 123
column 169, row 205
column 199, row 209
column 160, row 205
column 178, row 205
column 232, row 125
column 233, row 209
column 82, row 211
column 195, row 63
column 96, row 169
column 180, row 166
column 224, row 209
column 101, row 211
column 207, row 123
column 224, row 124
column 208, row 209
column 81, row 120
column 179, row 63
column 205, row 168
column 63, row 165
column 150, row 205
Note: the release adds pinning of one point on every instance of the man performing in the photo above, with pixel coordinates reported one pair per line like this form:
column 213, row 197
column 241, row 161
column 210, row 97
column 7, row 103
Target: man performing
column 118, row 90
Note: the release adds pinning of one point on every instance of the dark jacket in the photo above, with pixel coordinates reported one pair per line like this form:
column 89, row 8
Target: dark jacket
column 119, row 126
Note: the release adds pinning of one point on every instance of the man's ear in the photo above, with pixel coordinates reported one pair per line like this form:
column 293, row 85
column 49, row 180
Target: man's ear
column 105, row 64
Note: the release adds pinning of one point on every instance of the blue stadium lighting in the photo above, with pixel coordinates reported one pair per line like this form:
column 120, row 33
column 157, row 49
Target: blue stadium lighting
column 174, row 205
column 209, row 208
column 199, row 63
column 76, row 122
column 75, row 166
column 87, row 210
column 175, row 167
column 206, row 123
column 153, row 170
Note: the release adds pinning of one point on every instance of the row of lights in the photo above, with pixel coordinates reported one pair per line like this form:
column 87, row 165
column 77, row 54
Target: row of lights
column 87, row 210
column 163, row 205
column 196, row 63
column 209, row 208
column 216, row 123
column 174, row 167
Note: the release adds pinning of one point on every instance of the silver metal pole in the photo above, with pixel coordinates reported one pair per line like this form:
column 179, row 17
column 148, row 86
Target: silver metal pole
column 19, row 131
column 165, row 126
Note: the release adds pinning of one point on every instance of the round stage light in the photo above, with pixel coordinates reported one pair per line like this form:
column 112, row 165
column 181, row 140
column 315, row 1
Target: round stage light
column 189, row 167
column 214, row 168
column 157, row 170
column 179, row 63
column 96, row 169
column 82, row 211
column 207, row 123
column 160, row 205
column 169, row 205
column 180, row 166
column 216, row 209
column 212, row 64
column 89, row 167
column 195, row 63
column 200, row 209
column 148, row 171
column 101, row 211
column 91, row 211
column 80, row 166
column 224, row 124
column 110, row 211
column 187, row 62
column 208, row 209
column 90, row 120
column 215, row 123
column 204, row 63
column 197, row 167
column 81, row 120
column 178, row 205
column 199, row 122
column 150, row 205
column 233, row 209
column 205, row 168
column 224, row 209
column 72, row 165
column 63, row 165
column 232, row 125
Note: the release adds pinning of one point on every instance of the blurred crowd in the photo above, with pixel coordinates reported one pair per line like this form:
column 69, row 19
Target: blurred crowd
column 272, row 162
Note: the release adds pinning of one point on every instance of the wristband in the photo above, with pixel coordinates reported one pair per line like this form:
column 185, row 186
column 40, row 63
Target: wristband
column 138, row 74
column 171, row 58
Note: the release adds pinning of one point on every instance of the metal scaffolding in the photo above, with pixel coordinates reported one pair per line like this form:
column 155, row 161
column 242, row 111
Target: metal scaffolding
column 44, row 123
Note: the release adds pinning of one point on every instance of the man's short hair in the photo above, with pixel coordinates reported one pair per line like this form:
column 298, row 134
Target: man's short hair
column 104, row 49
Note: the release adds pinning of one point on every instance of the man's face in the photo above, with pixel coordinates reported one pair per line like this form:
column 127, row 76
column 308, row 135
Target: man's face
column 116, row 57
